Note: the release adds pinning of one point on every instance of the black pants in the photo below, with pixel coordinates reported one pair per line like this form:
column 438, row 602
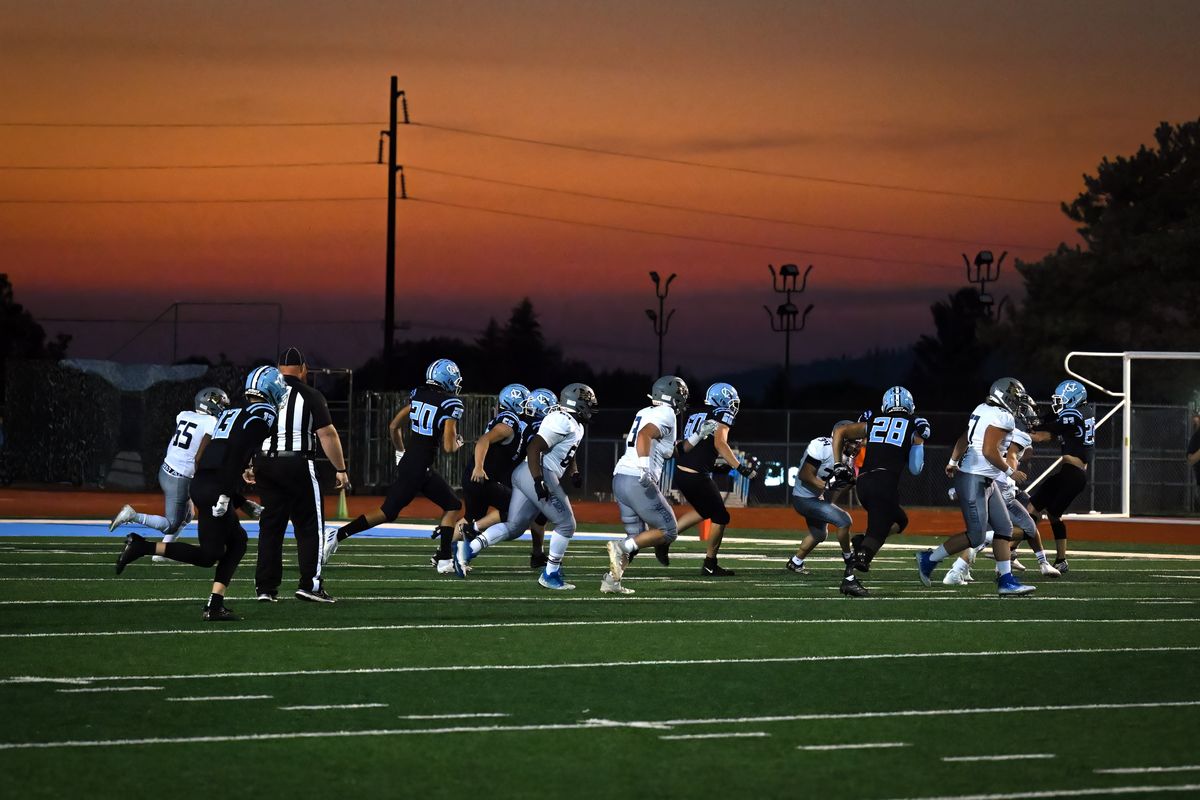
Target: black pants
column 290, row 489
column 879, row 493
column 222, row 539
column 702, row 494
column 413, row 480
column 479, row 497
column 1058, row 491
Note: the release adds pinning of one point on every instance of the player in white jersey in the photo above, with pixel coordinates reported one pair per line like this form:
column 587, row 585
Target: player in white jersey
column 537, row 486
column 193, row 429
column 985, row 455
column 645, row 512
column 822, row 478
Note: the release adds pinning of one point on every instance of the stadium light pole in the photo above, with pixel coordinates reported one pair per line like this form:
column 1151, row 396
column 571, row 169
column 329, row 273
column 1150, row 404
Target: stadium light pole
column 396, row 97
column 983, row 270
column 787, row 318
column 661, row 323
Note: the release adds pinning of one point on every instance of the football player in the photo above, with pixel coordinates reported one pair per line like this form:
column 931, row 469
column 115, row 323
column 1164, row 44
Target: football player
column 824, row 476
column 1074, row 423
column 895, row 440
column 645, row 512
column 192, row 432
column 432, row 416
column 538, row 484
column 237, row 436
column 706, row 438
column 978, row 459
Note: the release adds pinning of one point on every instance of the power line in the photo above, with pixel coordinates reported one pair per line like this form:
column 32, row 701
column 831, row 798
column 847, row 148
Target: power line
column 684, row 236
column 319, row 124
column 728, row 214
column 269, row 165
column 184, row 200
column 742, row 170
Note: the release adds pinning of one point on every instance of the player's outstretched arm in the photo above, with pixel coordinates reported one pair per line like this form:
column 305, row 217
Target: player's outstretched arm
column 855, row 430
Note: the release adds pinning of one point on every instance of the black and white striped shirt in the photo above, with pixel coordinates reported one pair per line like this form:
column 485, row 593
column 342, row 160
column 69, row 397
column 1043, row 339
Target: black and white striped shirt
column 302, row 414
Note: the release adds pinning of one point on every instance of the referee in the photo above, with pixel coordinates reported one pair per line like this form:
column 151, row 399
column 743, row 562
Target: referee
column 285, row 473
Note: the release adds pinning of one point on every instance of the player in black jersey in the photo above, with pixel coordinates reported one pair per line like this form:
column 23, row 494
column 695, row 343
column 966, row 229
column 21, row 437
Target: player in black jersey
column 706, row 436
column 432, row 416
column 238, row 435
column 1074, row 423
column 895, row 441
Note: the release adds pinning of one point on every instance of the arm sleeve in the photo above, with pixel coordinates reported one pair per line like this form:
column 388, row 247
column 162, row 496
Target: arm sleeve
column 916, row 459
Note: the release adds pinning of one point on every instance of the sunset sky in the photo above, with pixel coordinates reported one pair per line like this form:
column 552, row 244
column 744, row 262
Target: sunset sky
column 1004, row 99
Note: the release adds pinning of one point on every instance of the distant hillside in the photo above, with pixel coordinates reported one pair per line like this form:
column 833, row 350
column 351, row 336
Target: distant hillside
column 880, row 368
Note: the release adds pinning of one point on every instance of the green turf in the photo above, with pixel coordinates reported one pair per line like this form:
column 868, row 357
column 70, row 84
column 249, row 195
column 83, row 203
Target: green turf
column 784, row 661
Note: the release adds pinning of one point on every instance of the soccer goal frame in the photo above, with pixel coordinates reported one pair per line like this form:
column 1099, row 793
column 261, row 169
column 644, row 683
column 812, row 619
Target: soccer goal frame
column 1124, row 404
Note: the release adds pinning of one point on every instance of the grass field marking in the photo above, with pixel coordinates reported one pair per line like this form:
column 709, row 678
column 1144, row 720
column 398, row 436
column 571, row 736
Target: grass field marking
column 731, row 735
column 1049, row 793
column 1179, row 577
column 1146, row 770
column 480, row 715
column 25, row 679
column 218, row 698
column 1006, row 757
column 333, row 707
column 112, row 689
column 852, row 746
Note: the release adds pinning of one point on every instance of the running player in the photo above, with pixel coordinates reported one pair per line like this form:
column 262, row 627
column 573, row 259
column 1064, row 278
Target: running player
column 825, row 475
column 1074, row 423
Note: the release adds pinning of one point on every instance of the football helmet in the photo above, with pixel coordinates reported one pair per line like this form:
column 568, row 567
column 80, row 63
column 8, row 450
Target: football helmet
column 265, row 383
column 513, row 398
column 1068, row 394
column 670, row 390
column 579, row 399
column 724, row 397
column 539, row 402
column 211, row 400
column 444, row 374
column 897, row 398
column 1008, row 393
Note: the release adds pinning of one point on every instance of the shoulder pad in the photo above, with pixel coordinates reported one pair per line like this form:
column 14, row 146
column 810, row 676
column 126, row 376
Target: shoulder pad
column 723, row 417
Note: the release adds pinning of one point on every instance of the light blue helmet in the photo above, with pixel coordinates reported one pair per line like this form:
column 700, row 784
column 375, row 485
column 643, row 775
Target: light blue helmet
column 539, row 403
column 265, row 383
column 444, row 374
column 512, row 397
column 897, row 398
column 724, row 397
column 1068, row 394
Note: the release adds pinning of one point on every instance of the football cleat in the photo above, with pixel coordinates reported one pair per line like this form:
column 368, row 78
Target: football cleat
column 955, row 577
column 853, row 589
column 462, row 557
column 318, row 596
column 219, row 614
column 1017, row 566
column 800, row 570
column 132, row 551
column 329, row 544
column 538, row 559
column 712, row 569
column 160, row 559
column 268, row 597
column 925, row 566
column 609, row 586
column 969, row 577
column 617, row 559
column 1050, row 572
column 1061, row 566
column 663, row 553
column 445, row 566
column 126, row 514
column 464, row 530
column 1008, row 585
column 554, row 581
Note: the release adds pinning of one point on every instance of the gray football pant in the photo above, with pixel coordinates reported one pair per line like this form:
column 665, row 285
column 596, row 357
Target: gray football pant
column 1020, row 516
column 643, row 506
column 176, row 506
column 983, row 507
column 524, row 506
column 818, row 514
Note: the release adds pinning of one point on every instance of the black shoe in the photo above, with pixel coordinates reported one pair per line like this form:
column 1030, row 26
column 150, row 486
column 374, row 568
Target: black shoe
column 853, row 589
column 538, row 559
column 791, row 567
column 663, row 553
column 860, row 562
column 268, row 596
column 135, row 548
column 319, row 596
column 219, row 614
column 712, row 569
column 1060, row 565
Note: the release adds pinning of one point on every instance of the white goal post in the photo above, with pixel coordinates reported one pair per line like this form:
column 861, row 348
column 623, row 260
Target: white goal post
column 1124, row 404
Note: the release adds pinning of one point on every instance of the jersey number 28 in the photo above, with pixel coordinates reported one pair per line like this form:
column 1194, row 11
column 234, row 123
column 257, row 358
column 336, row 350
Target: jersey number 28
column 888, row 429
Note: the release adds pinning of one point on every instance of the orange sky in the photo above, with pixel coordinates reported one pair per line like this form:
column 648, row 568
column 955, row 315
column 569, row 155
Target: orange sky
column 1015, row 99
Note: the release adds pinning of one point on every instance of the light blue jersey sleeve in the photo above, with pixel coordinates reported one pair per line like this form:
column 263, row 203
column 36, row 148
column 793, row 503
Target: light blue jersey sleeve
column 916, row 459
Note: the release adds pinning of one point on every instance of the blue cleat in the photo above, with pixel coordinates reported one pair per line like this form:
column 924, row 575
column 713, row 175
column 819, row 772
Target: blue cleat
column 1010, row 586
column 925, row 566
column 461, row 557
column 554, row 581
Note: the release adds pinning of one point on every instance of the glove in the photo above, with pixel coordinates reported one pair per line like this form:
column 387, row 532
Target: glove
column 577, row 480
column 747, row 471
column 539, row 486
column 841, row 476
column 647, row 479
column 399, row 455
column 221, row 507
column 922, row 429
column 707, row 429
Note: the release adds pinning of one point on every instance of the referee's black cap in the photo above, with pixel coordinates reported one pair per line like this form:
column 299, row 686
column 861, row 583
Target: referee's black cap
column 292, row 357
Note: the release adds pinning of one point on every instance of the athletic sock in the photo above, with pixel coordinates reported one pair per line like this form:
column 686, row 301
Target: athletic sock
column 960, row 565
column 629, row 545
column 446, row 536
column 558, row 549
column 1041, row 557
column 140, row 519
column 938, row 554
column 356, row 525
column 216, row 600
column 846, row 557
column 799, row 562
column 1004, row 567
column 170, row 537
column 477, row 545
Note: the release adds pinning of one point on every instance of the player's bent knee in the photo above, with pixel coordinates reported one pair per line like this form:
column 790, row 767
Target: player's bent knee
column 670, row 534
column 721, row 517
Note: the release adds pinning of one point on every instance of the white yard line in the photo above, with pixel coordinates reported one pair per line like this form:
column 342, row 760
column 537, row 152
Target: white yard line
column 112, row 689
column 216, row 698
column 1007, row 757
column 1049, row 793
column 482, row 715
column 588, row 725
column 858, row 746
column 1146, row 770
column 745, row 735
column 334, row 707
column 25, row 679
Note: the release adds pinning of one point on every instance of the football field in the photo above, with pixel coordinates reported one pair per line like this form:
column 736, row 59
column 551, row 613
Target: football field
column 766, row 684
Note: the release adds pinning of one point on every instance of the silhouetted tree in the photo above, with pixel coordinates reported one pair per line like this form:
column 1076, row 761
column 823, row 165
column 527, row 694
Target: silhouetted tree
column 20, row 334
column 953, row 365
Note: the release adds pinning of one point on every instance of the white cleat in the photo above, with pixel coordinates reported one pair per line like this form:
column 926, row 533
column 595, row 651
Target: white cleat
column 955, row 577
column 609, row 586
column 445, row 566
column 969, row 578
column 1050, row 572
column 126, row 514
column 617, row 559
column 329, row 544
column 1017, row 566
column 160, row 559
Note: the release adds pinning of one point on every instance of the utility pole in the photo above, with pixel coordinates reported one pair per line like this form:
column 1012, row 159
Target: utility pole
column 787, row 318
column 986, row 270
column 661, row 323
column 395, row 97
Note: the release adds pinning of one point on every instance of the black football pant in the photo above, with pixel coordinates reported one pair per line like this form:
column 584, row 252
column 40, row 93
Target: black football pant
column 702, row 494
column 479, row 497
column 413, row 480
column 290, row 489
column 879, row 493
column 222, row 539
column 1056, row 493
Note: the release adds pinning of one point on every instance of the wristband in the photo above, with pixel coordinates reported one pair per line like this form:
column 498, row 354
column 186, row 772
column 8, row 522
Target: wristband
column 694, row 439
column 644, row 462
column 952, row 463
column 1009, row 472
column 342, row 470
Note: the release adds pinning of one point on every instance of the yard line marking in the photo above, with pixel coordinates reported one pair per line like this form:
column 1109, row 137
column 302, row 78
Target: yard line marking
column 584, row 623
column 862, row 746
column 1008, row 757
column 1179, row 577
column 218, row 697
column 453, row 716
column 732, row 735
column 1145, row 770
column 1047, row 793
column 22, row 679
column 596, row 724
column 112, row 689
column 333, row 707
